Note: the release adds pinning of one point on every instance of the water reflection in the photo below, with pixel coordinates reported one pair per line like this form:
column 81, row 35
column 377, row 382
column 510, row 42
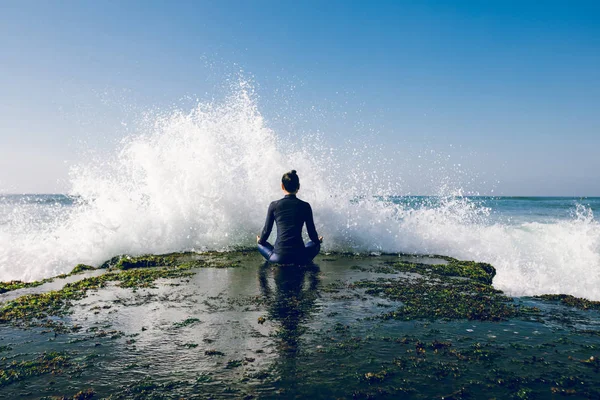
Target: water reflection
column 290, row 304
column 291, row 301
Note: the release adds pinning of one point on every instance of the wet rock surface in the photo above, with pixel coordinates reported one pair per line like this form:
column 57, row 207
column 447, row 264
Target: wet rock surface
column 226, row 325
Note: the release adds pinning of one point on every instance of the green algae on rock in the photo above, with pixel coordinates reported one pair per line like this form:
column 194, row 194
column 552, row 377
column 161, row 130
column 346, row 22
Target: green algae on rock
column 187, row 322
column 571, row 301
column 81, row 395
column 457, row 290
column 477, row 271
column 34, row 309
column 14, row 285
column 189, row 259
column 146, row 261
column 270, row 332
column 79, row 268
column 47, row 363
column 148, row 389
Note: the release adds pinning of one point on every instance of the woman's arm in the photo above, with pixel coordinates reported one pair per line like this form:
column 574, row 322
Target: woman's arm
column 310, row 226
column 268, row 224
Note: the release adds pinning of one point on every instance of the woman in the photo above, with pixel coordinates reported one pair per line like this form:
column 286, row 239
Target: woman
column 290, row 214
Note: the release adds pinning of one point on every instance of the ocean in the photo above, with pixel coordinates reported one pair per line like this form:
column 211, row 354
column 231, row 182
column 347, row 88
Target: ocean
column 202, row 180
column 539, row 245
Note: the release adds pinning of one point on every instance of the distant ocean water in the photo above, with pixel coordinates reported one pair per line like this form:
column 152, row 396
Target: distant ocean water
column 203, row 180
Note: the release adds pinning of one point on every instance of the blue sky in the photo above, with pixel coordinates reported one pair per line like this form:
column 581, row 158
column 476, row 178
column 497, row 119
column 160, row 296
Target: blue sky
column 510, row 90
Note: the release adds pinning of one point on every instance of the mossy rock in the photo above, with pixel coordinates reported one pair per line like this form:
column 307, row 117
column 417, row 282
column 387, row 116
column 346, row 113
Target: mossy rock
column 48, row 363
column 147, row 261
column 430, row 298
column 457, row 290
column 79, row 268
column 477, row 271
column 572, row 301
column 111, row 262
column 81, row 395
column 35, row 309
column 14, row 285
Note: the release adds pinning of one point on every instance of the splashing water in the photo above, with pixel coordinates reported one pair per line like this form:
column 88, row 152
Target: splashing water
column 202, row 180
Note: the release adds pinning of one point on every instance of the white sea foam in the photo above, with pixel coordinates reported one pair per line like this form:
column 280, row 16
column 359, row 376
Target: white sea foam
column 203, row 179
column 530, row 258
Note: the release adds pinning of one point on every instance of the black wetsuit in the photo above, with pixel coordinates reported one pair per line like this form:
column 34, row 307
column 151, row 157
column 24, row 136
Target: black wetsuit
column 290, row 213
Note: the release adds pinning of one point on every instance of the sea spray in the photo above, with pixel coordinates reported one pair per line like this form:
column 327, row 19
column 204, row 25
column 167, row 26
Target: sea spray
column 203, row 179
column 561, row 256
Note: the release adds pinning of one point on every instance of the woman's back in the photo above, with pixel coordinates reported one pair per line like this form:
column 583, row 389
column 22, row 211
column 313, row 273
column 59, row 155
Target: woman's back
column 290, row 213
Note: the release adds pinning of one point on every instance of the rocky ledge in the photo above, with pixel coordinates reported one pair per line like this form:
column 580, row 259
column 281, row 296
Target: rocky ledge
column 222, row 325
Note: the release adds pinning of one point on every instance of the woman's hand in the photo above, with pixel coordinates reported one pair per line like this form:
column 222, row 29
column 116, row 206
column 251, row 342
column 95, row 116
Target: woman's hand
column 320, row 239
column 257, row 239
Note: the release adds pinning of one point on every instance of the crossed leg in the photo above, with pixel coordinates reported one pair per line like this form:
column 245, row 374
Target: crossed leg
column 311, row 249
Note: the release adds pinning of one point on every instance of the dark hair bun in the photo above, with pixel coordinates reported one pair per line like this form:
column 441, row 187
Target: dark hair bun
column 290, row 181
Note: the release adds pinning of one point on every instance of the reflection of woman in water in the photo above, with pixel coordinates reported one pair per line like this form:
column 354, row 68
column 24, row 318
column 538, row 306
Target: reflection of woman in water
column 290, row 214
column 292, row 300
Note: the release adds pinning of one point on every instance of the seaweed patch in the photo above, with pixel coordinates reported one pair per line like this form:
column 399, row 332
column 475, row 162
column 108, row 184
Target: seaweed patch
column 458, row 290
column 47, row 363
column 571, row 301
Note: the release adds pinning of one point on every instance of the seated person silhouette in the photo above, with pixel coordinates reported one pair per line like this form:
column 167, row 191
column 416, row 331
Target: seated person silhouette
column 290, row 214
